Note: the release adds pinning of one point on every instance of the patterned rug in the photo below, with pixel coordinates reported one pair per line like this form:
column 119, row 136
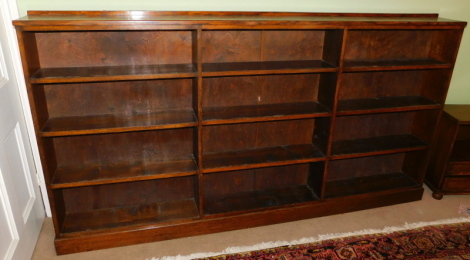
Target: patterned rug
column 440, row 242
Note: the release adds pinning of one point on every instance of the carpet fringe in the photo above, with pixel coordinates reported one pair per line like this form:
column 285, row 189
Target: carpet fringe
column 265, row 245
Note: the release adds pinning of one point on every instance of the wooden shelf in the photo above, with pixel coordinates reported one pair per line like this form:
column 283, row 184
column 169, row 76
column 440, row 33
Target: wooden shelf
column 109, row 218
column 67, row 177
column 69, row 126
column 268, row 112
column 376, row 146
column 266, row 67
column 394, row 64
column 384, row 104
column 113, row 73
column 368, row 184
column 259, row 199
column 460, row 152
column 261, row 157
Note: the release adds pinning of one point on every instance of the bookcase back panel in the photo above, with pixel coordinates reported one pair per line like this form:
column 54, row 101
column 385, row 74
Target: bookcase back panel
column 254, row 90
column 368, row 175
column 388, row 44
column 282, row 176
column 225, row 183
column 231, row 91
column 125, row 194
column 231, row 46
column 254, row 190
column 254, row 135
column 373, row 125
column 124, row 148
column 113, row 48
column 381, row 84
column 101, row 98
column 293, row 45
column 365, row 166
column 262, row 45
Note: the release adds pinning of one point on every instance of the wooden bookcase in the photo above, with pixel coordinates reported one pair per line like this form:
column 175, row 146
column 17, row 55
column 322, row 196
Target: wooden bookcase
column 158, row 125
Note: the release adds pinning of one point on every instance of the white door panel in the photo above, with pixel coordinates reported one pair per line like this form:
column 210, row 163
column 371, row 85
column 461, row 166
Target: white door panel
column 21, row 208
column 22, row 183
column 9, row 238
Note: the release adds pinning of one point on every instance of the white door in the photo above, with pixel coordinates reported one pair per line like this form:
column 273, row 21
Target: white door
column 21, row 208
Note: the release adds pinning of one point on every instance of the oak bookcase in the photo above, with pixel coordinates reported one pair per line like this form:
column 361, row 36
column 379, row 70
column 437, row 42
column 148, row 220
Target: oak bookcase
column 158, row 125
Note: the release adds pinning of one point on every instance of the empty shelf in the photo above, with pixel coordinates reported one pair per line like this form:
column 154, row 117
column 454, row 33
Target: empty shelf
column 384, row 104
column 368, row 184
column 66, row 177
column 130, row 72
column 267, row 112
column 266, row 67
column 394, row 64
column 260, row 199
column 80, row 125
column 140, row 214
column 261, row 157
column 376, row 145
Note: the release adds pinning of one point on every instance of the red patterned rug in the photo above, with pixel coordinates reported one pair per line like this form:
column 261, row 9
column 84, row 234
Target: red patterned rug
column 440, row 242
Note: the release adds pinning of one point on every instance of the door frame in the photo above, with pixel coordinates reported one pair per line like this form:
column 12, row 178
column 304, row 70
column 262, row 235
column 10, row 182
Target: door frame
column 12, row 14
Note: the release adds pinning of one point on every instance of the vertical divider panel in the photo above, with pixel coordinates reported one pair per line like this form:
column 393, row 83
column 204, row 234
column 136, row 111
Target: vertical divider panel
column 432, row 118
column 28, row 46
column 332, row 43
column 341, row 38
column 197, row 96
column 30, row 61
column 432, row 85
column 454, row 43
column 49, row 164
column 445, row 44
column 452, row 38
column 58, row 207
column 441, row 146
column 414, row 165
column 261, row 52
column 260, row 80
column 40, row 105
column 314, row 179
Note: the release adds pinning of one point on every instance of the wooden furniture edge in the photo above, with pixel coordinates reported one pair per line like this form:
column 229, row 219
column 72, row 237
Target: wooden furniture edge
column 177, row 20
column 438, row 194
column 223, row 13
column 213, row 225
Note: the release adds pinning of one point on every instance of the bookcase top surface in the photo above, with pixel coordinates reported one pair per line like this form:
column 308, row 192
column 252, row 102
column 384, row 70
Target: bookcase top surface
column 60, row 18
column 461, row 113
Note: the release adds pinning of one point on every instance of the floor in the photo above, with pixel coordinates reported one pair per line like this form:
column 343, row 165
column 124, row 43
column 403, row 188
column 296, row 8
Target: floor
column 427, row 209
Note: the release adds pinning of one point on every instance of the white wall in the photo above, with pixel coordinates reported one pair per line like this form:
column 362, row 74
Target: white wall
column 459, row 92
